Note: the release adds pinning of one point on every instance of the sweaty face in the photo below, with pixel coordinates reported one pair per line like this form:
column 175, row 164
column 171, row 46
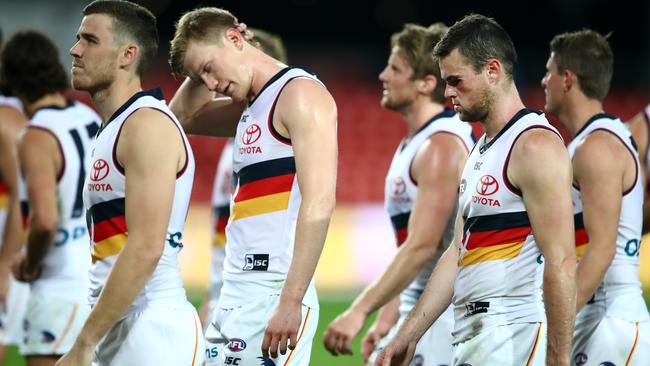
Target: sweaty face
column 218, row 68
column 396, row 78
column 94, row 63
column 553, row 85
column 468, row 90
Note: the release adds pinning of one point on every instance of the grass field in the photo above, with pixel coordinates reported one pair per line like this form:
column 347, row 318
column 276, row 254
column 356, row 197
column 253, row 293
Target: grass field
column 330, row 308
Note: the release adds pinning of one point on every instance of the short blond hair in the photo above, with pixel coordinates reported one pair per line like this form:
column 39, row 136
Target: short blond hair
column 200, row 25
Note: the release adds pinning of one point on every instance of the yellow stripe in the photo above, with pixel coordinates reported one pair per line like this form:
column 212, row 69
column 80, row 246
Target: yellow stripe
column 492, row 253
column 219, row 240
column 261, row 205
column 108, row 247
column 580, row 250
column 3, row 200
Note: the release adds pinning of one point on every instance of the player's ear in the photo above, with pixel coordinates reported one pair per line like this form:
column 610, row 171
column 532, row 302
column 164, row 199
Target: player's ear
column 493, row 70
column 129, row 55
column 233, row 35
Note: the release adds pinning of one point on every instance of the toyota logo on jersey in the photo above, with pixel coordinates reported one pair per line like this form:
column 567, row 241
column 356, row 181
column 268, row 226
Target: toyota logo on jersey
column 100, row 170
column 487, row 185
column 251, row 134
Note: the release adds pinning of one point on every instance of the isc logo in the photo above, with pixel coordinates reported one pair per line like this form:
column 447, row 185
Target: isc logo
column 256, row 262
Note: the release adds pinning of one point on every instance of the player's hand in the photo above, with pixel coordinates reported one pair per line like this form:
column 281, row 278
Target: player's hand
column 247, row 34
column 341, row 332
column 18, row 269
column 398, row 352
column 282, row 329
column 377, row 331
column 77, row 356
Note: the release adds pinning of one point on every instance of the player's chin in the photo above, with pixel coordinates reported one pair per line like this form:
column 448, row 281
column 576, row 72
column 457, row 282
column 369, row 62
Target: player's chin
column 79, row 84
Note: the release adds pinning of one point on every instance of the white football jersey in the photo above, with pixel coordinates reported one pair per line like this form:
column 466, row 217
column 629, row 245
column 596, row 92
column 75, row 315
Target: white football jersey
column 220, row 214
column 105, row 204
column 265, row 202
column 65, row 268
column 620, row 293
column 500, row 271
column 401, row 190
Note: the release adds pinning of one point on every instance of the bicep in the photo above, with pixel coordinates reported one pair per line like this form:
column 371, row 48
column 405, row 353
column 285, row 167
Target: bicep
column 540, row 167
column 150, row 149
column 310, row 120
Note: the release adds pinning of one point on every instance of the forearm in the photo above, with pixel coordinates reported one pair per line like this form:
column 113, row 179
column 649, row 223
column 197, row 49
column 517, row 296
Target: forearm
column 559, row 299
column 389, row 313
column 591, row 270
column 401, row 271
column 311, row 230
column 130, row 273
column 190, row 97
column 435, row 298
column 38, row 244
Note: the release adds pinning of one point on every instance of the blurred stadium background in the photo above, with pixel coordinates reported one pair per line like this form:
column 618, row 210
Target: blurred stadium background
column 347, row 46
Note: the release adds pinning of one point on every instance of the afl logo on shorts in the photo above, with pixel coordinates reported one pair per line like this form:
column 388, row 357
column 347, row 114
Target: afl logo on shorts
column 418, row 360
column 100, row 170
column 236, row 345
column 487, row 185
column 252, row 134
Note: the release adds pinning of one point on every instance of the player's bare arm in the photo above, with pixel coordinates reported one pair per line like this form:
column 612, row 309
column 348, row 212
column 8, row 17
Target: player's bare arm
column 639, row 127
column 540, row 168
column 201, row 113
column 437, row 167
column 435, row 299
column 12, row 121
column 305, row 113
column 41, row 163
column 147, row 136
column 603, row 168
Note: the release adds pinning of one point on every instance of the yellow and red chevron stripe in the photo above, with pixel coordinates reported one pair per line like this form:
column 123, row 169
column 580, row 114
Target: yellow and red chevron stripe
column 495, row 237
column 263, row 188
column 109, row 229
column 581, row 237
column 221, row 215
column 4, row 197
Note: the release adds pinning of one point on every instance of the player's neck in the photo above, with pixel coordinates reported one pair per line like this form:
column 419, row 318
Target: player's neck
column 54, row 99
column 109, row 100
column 578, row 111
column 505, row 104
column 263, row 68
column 419, row 113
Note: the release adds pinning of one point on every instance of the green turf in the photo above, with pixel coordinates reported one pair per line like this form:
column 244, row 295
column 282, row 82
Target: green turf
column 330, row 307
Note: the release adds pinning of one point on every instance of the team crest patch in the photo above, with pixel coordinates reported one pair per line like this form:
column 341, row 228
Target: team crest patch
column 266, row 361
column 236, row 345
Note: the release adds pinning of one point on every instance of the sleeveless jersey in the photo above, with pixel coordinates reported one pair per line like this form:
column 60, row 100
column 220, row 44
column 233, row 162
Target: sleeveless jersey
column 500, row 273
column 265, row 202
column 105, row 205
column 66, row 265
column 16, row 104
column 620, row 293
column 401, row 191
column 647, row 119
column 220, row 215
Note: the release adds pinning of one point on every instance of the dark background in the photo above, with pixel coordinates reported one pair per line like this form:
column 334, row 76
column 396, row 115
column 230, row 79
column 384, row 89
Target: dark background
column 351, row 38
